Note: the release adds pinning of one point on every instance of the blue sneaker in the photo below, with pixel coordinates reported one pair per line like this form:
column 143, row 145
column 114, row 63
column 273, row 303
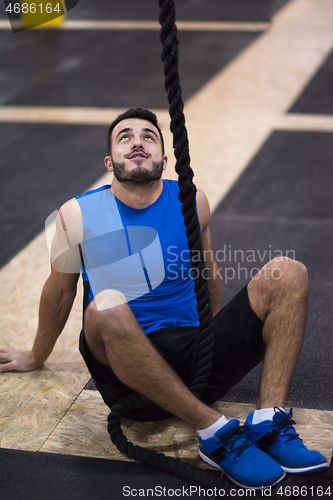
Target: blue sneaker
column 280, row 441
column 230, row 451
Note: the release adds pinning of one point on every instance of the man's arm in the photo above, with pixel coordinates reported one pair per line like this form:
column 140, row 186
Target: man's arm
column 214, row 281
column 57, row 296
column 55, row 304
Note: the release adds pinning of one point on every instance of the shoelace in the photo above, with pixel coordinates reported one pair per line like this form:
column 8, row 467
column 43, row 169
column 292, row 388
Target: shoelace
column 285, row 424
column 231, row 438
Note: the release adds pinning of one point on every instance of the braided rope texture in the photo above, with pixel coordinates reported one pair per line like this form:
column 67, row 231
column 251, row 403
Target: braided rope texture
column 187, row 194
column 187, row 191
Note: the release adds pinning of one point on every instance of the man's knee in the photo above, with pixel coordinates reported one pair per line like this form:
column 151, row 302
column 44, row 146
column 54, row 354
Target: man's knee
column 286, row 274
column 280, row 279
column 107, row 305
column 109, row 299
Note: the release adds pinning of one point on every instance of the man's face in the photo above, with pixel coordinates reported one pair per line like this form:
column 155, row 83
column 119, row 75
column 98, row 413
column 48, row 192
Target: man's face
column 136, row 152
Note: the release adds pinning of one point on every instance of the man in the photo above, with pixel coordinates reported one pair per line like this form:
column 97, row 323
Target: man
column 140, row 328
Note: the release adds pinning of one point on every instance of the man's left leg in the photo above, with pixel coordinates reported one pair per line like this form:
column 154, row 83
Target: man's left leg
column 278, row 294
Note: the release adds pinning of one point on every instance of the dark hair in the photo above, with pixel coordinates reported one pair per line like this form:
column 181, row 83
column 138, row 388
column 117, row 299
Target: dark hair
column 142, row 114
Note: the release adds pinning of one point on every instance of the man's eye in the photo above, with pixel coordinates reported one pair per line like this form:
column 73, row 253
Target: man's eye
column 148, row 137
column 124, row 137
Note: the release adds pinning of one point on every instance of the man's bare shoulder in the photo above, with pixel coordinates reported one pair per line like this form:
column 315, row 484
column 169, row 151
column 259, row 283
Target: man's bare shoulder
column 66, row 236
column 71, row 220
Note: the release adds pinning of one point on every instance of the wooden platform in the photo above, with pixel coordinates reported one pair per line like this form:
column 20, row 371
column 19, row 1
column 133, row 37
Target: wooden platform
column 48, row 409
column 83, row 431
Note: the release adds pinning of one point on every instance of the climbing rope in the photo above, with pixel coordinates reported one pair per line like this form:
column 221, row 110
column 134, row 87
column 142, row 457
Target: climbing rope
column 187, row 194
column 187, row 190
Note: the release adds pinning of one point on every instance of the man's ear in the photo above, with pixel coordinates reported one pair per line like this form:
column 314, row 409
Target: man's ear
column 108, row 163
column 165, row 162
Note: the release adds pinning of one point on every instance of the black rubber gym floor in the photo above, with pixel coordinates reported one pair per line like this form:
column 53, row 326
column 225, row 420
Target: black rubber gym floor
column 225, row 10
column 107, row 68
column 63, row 477
column 46, row 153
column 317, row 97
column 39, row 476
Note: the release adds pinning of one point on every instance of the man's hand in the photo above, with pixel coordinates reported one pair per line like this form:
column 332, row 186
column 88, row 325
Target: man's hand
column 17, row 359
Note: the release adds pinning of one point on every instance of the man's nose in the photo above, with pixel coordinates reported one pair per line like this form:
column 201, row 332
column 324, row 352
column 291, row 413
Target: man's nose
column 137, row 143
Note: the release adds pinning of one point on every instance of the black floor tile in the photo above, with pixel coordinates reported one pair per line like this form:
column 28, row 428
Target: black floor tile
column 317, row 96
column 291, row 176
column 106, row 68
column 215, row 10
column 246, row 246
column 42, row 166
column 35, row 476
column 209, row 10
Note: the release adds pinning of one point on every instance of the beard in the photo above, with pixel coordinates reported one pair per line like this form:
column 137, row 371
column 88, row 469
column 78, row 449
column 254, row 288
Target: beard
column 139, row 176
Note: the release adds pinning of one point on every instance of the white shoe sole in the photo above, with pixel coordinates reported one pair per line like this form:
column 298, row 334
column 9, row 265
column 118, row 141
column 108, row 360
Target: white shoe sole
column 312, row 468
column 209, row 461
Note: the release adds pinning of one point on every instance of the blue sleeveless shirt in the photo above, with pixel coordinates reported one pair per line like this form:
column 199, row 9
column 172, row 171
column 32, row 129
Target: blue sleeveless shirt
column 141, row 252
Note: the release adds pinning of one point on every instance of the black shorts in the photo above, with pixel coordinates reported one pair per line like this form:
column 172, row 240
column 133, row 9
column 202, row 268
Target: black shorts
column 238, row 348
